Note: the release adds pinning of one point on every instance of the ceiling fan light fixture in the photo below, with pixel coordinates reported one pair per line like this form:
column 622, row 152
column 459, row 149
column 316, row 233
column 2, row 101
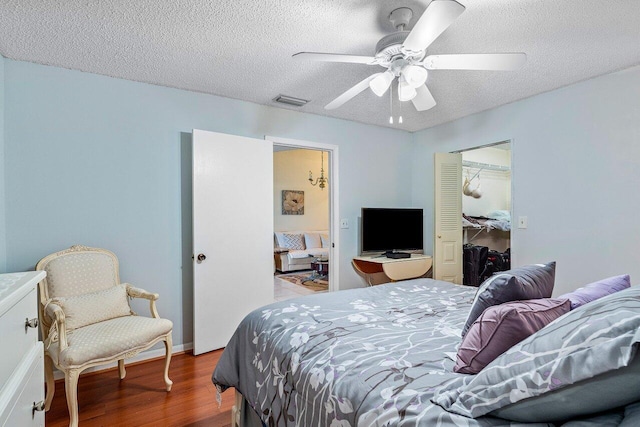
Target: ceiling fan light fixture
column 415, row 75
column 406, row 92
column 381, row 83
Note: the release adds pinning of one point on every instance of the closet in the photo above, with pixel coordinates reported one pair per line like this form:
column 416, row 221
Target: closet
column 486, row 212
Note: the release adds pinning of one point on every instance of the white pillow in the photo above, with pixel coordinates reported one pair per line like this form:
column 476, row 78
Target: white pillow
column 279, row 239
column 312, row 240
column 293, row 241
column 325, row 240
column 94, row 307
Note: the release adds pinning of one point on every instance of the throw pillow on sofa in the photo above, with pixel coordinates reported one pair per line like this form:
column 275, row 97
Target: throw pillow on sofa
column 293, row 241
column 312, row 240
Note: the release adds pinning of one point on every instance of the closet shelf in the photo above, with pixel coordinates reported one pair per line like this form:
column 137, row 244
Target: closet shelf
column 500, row 168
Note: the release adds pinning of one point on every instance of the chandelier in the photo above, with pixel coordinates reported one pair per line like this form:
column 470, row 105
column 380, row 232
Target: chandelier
column 321, row 181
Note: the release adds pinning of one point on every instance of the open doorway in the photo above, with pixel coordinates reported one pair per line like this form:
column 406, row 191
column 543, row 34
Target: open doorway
column 304, row 202
column 486, row 210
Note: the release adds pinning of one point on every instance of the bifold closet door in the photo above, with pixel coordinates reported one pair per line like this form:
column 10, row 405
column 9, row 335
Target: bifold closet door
column 447, row 246
column 232, row 233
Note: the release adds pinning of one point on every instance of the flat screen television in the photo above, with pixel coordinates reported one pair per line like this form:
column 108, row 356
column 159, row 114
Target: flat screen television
column 391, row 229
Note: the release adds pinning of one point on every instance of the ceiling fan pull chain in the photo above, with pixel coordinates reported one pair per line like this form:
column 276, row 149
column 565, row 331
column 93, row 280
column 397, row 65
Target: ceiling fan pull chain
column 391, row 104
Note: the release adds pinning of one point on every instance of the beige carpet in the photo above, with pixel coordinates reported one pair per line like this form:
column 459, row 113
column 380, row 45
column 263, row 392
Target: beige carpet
column 302, row 279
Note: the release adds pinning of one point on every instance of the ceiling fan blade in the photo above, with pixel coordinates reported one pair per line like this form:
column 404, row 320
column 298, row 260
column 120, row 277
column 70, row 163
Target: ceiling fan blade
column 437, row 18
column 350, row 93
column 335, row 57
column 476, row 61
column 423, row 100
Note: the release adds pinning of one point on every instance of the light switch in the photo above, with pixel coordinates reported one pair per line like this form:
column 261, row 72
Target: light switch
column 522, row 222
column 344, row 223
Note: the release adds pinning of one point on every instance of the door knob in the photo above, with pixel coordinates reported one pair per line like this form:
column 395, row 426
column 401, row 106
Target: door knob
column 439, row 236
column 201, row 257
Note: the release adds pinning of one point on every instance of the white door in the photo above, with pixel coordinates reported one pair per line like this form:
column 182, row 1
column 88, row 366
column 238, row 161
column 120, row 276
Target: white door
column 232, row 233
column 447, row 247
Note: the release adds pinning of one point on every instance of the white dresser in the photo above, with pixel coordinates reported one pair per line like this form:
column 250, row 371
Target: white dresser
column 21, row 354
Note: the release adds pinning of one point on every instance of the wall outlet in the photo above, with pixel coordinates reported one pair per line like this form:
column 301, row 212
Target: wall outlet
column 522, row 222
column 344, row 223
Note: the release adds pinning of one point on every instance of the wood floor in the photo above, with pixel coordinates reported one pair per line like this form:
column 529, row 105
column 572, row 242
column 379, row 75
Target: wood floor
column 141, row 400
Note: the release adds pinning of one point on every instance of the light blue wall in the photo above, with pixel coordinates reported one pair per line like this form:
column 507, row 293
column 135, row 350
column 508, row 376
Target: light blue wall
column 106, row 162
column 3, row 225
column 576, row 174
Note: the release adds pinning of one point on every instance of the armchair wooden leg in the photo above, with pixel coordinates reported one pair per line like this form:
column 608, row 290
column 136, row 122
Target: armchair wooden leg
column 71, row 390
column 168, row 343
column 51, row 386
column 121, row 370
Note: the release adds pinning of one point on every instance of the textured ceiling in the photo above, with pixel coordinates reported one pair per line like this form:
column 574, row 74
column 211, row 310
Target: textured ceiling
column 242, row 49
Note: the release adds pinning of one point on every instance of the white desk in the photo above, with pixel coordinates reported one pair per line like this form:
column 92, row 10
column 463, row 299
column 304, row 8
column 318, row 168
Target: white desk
column 395, row 269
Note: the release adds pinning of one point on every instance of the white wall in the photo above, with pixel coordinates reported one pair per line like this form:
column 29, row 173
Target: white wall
column 576, row 169
column 291, row 172
column 495, row 186
column 106, row 162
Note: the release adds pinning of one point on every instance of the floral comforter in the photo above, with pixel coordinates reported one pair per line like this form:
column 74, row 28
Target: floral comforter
column 364, row 357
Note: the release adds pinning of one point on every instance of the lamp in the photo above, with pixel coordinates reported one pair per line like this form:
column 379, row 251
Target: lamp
column 321, row 181
column 414, row 75
column 405, row 91
column 381, row 83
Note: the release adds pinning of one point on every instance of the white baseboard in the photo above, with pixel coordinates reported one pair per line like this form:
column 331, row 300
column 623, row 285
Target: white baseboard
column 145, row 355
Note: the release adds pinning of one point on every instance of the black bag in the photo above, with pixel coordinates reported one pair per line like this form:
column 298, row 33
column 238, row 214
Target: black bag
column 474, row 262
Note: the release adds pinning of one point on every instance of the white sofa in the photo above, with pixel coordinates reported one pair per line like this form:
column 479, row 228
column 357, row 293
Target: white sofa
column 290, row 256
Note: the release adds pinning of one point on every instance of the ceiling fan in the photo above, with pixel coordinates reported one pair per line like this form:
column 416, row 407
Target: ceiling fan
column 403, row 53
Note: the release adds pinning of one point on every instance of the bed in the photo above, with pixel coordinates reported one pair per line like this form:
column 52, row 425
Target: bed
column 363, row 357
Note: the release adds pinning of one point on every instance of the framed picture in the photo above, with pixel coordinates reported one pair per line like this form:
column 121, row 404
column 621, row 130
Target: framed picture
column 292, row 202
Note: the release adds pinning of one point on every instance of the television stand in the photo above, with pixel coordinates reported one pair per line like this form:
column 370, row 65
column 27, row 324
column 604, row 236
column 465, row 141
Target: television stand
column 395, row 269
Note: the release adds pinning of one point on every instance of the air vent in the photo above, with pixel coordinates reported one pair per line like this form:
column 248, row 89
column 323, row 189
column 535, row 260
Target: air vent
column 290, row 100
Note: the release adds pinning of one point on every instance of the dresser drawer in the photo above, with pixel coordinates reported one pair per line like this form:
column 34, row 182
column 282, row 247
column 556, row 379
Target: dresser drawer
column 17, row 341
column 23, row 389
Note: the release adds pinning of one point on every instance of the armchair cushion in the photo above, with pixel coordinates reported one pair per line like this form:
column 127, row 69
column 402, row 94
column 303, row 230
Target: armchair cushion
column 94, row 307
column 105, row 340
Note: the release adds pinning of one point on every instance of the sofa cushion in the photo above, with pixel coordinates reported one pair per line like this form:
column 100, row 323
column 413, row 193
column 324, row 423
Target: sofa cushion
column 308, row 254
column 312, row 240
column 325, row 240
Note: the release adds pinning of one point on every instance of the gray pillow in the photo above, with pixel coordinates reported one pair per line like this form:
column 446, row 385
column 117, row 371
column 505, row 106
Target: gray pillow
column 524, row 283
column 631, row 415
column 608, row 419
column 582, row 363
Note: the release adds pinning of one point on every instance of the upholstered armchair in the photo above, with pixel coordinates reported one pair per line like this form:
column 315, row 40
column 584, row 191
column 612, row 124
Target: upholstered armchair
column 86, row 319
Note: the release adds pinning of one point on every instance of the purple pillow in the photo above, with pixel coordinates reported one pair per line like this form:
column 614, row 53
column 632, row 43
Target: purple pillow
column 596, row 290
column 517, row 284
column 500, row 327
